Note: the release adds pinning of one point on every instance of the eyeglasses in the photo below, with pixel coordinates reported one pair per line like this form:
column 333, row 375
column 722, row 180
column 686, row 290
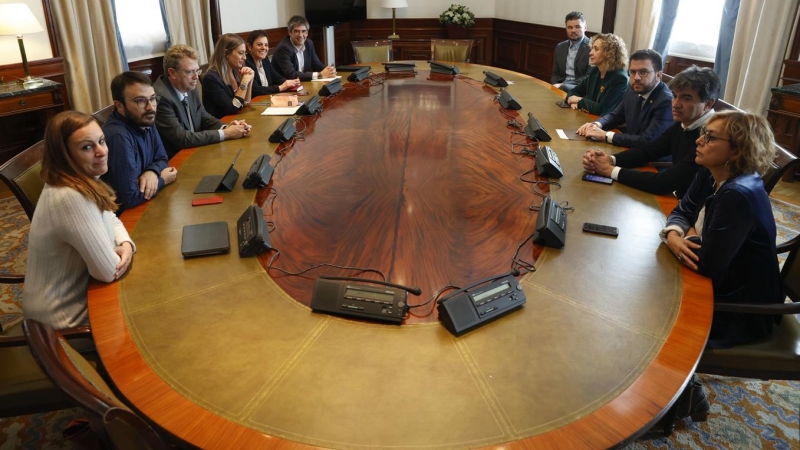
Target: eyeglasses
column 708, row 137
column 642, row 72
column 192, row 72
column 142, row 102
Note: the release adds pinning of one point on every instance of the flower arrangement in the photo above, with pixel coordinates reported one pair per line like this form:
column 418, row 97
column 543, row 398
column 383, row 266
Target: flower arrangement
column 457, row 15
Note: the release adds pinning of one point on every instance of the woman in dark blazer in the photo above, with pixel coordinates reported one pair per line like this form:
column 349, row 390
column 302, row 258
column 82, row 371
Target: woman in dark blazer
column 227, row 86
column 607, row 80
column 728, row 211
column 266, row 80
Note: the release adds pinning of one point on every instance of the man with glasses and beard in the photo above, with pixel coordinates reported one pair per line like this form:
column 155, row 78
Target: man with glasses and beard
column 645, row 111
column 137, row 162
column 694, row 93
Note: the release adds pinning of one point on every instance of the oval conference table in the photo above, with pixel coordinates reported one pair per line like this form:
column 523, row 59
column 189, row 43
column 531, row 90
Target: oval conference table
column 419, row 176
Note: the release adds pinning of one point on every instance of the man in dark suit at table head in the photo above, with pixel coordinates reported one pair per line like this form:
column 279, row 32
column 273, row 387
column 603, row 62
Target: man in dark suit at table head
column 137, row 162
column 295, row 56
column 571, row 58
column 181, row 119
column 644, row 113
column 694, row 93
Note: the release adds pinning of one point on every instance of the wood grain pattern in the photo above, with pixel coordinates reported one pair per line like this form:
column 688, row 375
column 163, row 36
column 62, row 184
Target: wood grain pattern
column 632, row 412
column 418, row 182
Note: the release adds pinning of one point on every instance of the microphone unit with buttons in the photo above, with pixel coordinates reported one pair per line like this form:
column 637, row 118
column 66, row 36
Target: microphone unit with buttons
column 470, row 308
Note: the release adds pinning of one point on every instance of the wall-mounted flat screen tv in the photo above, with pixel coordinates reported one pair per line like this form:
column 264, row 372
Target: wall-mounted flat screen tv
column 331, row 12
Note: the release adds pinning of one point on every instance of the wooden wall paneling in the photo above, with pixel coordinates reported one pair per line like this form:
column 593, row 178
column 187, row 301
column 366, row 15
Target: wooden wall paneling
column 791, row 72
column 609, row 16
column 216, row 20
column 675, row 64
column 155, row 65
column 526, row 47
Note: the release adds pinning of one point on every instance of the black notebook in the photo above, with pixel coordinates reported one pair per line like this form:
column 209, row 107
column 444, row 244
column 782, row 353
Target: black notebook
column 205, row 239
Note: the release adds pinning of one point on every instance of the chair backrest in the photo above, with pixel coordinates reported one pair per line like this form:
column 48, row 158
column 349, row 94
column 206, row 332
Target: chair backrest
column 453, row 50
column 373, row 51
column 778, row 167
column 790, row 273
column 74, row 375
column 22, row 175
column 102, row 115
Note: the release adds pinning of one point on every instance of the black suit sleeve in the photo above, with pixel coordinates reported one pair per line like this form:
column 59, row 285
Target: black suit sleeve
column 609, row 98
column 559, row 73
column 217, row 97
column 258, row 88
column 728, row 227
column 660, row 119
column 316, row 64
column 284, row 60
column 173, row 132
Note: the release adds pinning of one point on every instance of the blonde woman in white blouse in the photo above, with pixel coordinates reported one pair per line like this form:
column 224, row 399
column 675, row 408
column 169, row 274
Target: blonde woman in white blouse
column 74, row 233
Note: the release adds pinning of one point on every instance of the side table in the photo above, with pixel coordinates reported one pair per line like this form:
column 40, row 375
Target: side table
column 24, row 114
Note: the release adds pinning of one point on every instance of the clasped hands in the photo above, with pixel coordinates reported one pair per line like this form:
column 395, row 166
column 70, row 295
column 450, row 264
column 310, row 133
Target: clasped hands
column 237, row 129
column 591, row 130
column 328, row 72
column 598, row 162
column 247, row 75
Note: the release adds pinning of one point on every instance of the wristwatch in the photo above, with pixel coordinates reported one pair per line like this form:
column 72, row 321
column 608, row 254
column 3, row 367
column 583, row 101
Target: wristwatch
column 243, row 86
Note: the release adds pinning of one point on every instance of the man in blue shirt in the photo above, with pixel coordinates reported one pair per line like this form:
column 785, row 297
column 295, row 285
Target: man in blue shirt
column 571, row 57
column 137, row 162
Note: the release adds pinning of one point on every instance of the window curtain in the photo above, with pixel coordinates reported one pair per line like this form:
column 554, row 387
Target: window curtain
column 722, row 61
column 669, row 11
column 636, row 22
column 87, row 38
column 759, row 45
column 189, row 22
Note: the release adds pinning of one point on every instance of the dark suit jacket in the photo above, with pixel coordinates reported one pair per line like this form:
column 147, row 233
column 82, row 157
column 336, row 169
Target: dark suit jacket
column 286, row 63
column 560, row 61
column 738, row 251
column 274, row 79
column 676, row 142
column 173, row 125
column 218, row 96
column 600, row 96
column 645, row 126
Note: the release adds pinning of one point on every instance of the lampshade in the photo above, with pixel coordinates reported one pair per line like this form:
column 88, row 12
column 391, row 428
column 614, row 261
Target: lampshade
column 394, row 3
column 17, row 19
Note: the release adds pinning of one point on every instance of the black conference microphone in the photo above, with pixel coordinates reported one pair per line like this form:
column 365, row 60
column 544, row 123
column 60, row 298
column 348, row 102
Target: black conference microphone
column 411, row 290
column 494, row 79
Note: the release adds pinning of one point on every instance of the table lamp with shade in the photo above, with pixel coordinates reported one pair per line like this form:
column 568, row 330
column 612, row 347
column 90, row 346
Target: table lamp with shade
column 394, row 4
column 17, row 19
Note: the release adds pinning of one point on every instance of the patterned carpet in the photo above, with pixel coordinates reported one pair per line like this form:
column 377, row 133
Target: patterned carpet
column 745, row 413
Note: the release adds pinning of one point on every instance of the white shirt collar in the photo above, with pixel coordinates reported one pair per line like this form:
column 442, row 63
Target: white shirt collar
column 699, row 122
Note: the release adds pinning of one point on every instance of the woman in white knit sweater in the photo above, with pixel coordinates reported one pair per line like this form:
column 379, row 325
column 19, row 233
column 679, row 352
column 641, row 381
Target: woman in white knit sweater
column 74, row 232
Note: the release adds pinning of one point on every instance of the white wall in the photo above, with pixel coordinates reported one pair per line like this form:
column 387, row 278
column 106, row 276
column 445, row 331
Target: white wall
column 245, row 15
column 37, row 45
column 420, row 9
column 550, row 12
